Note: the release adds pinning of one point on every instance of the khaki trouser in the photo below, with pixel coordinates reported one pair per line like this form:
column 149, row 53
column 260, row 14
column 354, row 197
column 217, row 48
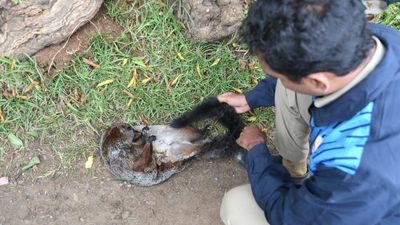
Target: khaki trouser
column 292, row 129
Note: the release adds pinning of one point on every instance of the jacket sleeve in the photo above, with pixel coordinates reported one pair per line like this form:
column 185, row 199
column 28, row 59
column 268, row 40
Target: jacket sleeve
column 329, row 197
column 263, row 94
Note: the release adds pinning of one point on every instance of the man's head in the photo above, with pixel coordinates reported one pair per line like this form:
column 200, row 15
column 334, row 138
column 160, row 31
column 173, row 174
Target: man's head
column 299, row 38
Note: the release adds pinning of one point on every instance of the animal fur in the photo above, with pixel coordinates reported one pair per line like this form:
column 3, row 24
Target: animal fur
column 211, row 108
column 148, row 155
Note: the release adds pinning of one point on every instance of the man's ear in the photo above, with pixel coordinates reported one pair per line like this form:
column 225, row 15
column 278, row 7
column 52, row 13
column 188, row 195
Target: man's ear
column 319, row 81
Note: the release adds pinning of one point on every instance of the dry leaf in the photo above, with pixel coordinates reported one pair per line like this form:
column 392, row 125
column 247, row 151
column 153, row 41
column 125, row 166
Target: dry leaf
column 251, row 66
column 215, row 62
column 255, row 81
column 198, row 70
column 104, row 83
column 243, row 65
column 144, row 120
column 29, row 88
column 79, row 98
column 82, row 99
column 91, row 63
column 132, row 82
column 170, row 33
column 2, row 117
column 76, row 94
column 89, row 162
column 264, row 129
column 130, row 102
column 180, row 56
column 251, row 119
column 23, row 97
column 130, row 94
column 6, row 95
column 146, row 80
column 175, row 80
column 124, row 62
column 33, row 84
column 238, row 90
column 13, row 64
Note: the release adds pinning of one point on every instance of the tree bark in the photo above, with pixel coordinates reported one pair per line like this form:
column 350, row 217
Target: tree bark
column 35, row 24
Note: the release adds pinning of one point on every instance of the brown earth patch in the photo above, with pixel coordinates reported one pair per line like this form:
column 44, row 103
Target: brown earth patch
column 190, row 197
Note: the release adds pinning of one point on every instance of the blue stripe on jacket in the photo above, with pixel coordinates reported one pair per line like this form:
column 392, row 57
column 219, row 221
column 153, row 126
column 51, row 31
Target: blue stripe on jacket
column 341, row 145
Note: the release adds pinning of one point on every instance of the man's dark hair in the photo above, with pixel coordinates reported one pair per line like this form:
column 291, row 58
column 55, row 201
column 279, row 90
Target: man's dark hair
column 300, row 37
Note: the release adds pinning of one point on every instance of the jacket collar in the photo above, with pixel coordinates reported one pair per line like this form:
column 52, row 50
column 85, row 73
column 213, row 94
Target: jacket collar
column 351, row 102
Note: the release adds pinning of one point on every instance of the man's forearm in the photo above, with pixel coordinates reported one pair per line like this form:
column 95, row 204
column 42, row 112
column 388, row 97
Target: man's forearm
column 263, row 94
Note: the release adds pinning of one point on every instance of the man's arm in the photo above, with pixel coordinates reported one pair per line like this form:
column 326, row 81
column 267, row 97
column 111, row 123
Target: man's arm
column 329, row 197
column 263, row 94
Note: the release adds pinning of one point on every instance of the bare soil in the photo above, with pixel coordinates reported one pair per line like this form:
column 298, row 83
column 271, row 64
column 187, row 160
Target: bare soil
column 190, row 197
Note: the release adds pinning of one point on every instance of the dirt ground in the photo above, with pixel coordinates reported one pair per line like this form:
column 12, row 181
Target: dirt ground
column 96, row 197
column 190, row 197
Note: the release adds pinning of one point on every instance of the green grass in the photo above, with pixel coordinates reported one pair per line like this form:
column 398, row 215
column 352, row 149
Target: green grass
column 390, row 17
column 150, row 42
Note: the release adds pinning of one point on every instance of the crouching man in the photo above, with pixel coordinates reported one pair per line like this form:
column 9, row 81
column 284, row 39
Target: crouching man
column 344, row 141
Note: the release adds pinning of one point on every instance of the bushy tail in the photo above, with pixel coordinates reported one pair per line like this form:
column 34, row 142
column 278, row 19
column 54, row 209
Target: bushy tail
column 211, row 108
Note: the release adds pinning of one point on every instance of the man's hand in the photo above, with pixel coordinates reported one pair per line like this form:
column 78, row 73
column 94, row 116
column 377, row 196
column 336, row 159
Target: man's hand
column 237, row 101
column 250, row 137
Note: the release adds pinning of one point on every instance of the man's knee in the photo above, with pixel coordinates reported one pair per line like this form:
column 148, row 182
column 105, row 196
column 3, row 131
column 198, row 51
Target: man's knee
column 238, row 207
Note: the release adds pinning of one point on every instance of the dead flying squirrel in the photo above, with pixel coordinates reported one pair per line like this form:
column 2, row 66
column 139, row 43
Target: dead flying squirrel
column 149, row 155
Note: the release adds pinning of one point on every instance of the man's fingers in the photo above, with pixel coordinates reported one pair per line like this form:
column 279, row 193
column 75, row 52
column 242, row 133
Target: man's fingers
column 226, row 94
column 242, row 109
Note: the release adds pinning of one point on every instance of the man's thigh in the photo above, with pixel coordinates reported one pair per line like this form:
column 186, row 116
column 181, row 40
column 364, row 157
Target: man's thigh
column 292, row 123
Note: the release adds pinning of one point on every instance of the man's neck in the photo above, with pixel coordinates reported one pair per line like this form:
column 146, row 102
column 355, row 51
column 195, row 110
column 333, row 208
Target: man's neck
column 344, row 80
column 347, row 82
